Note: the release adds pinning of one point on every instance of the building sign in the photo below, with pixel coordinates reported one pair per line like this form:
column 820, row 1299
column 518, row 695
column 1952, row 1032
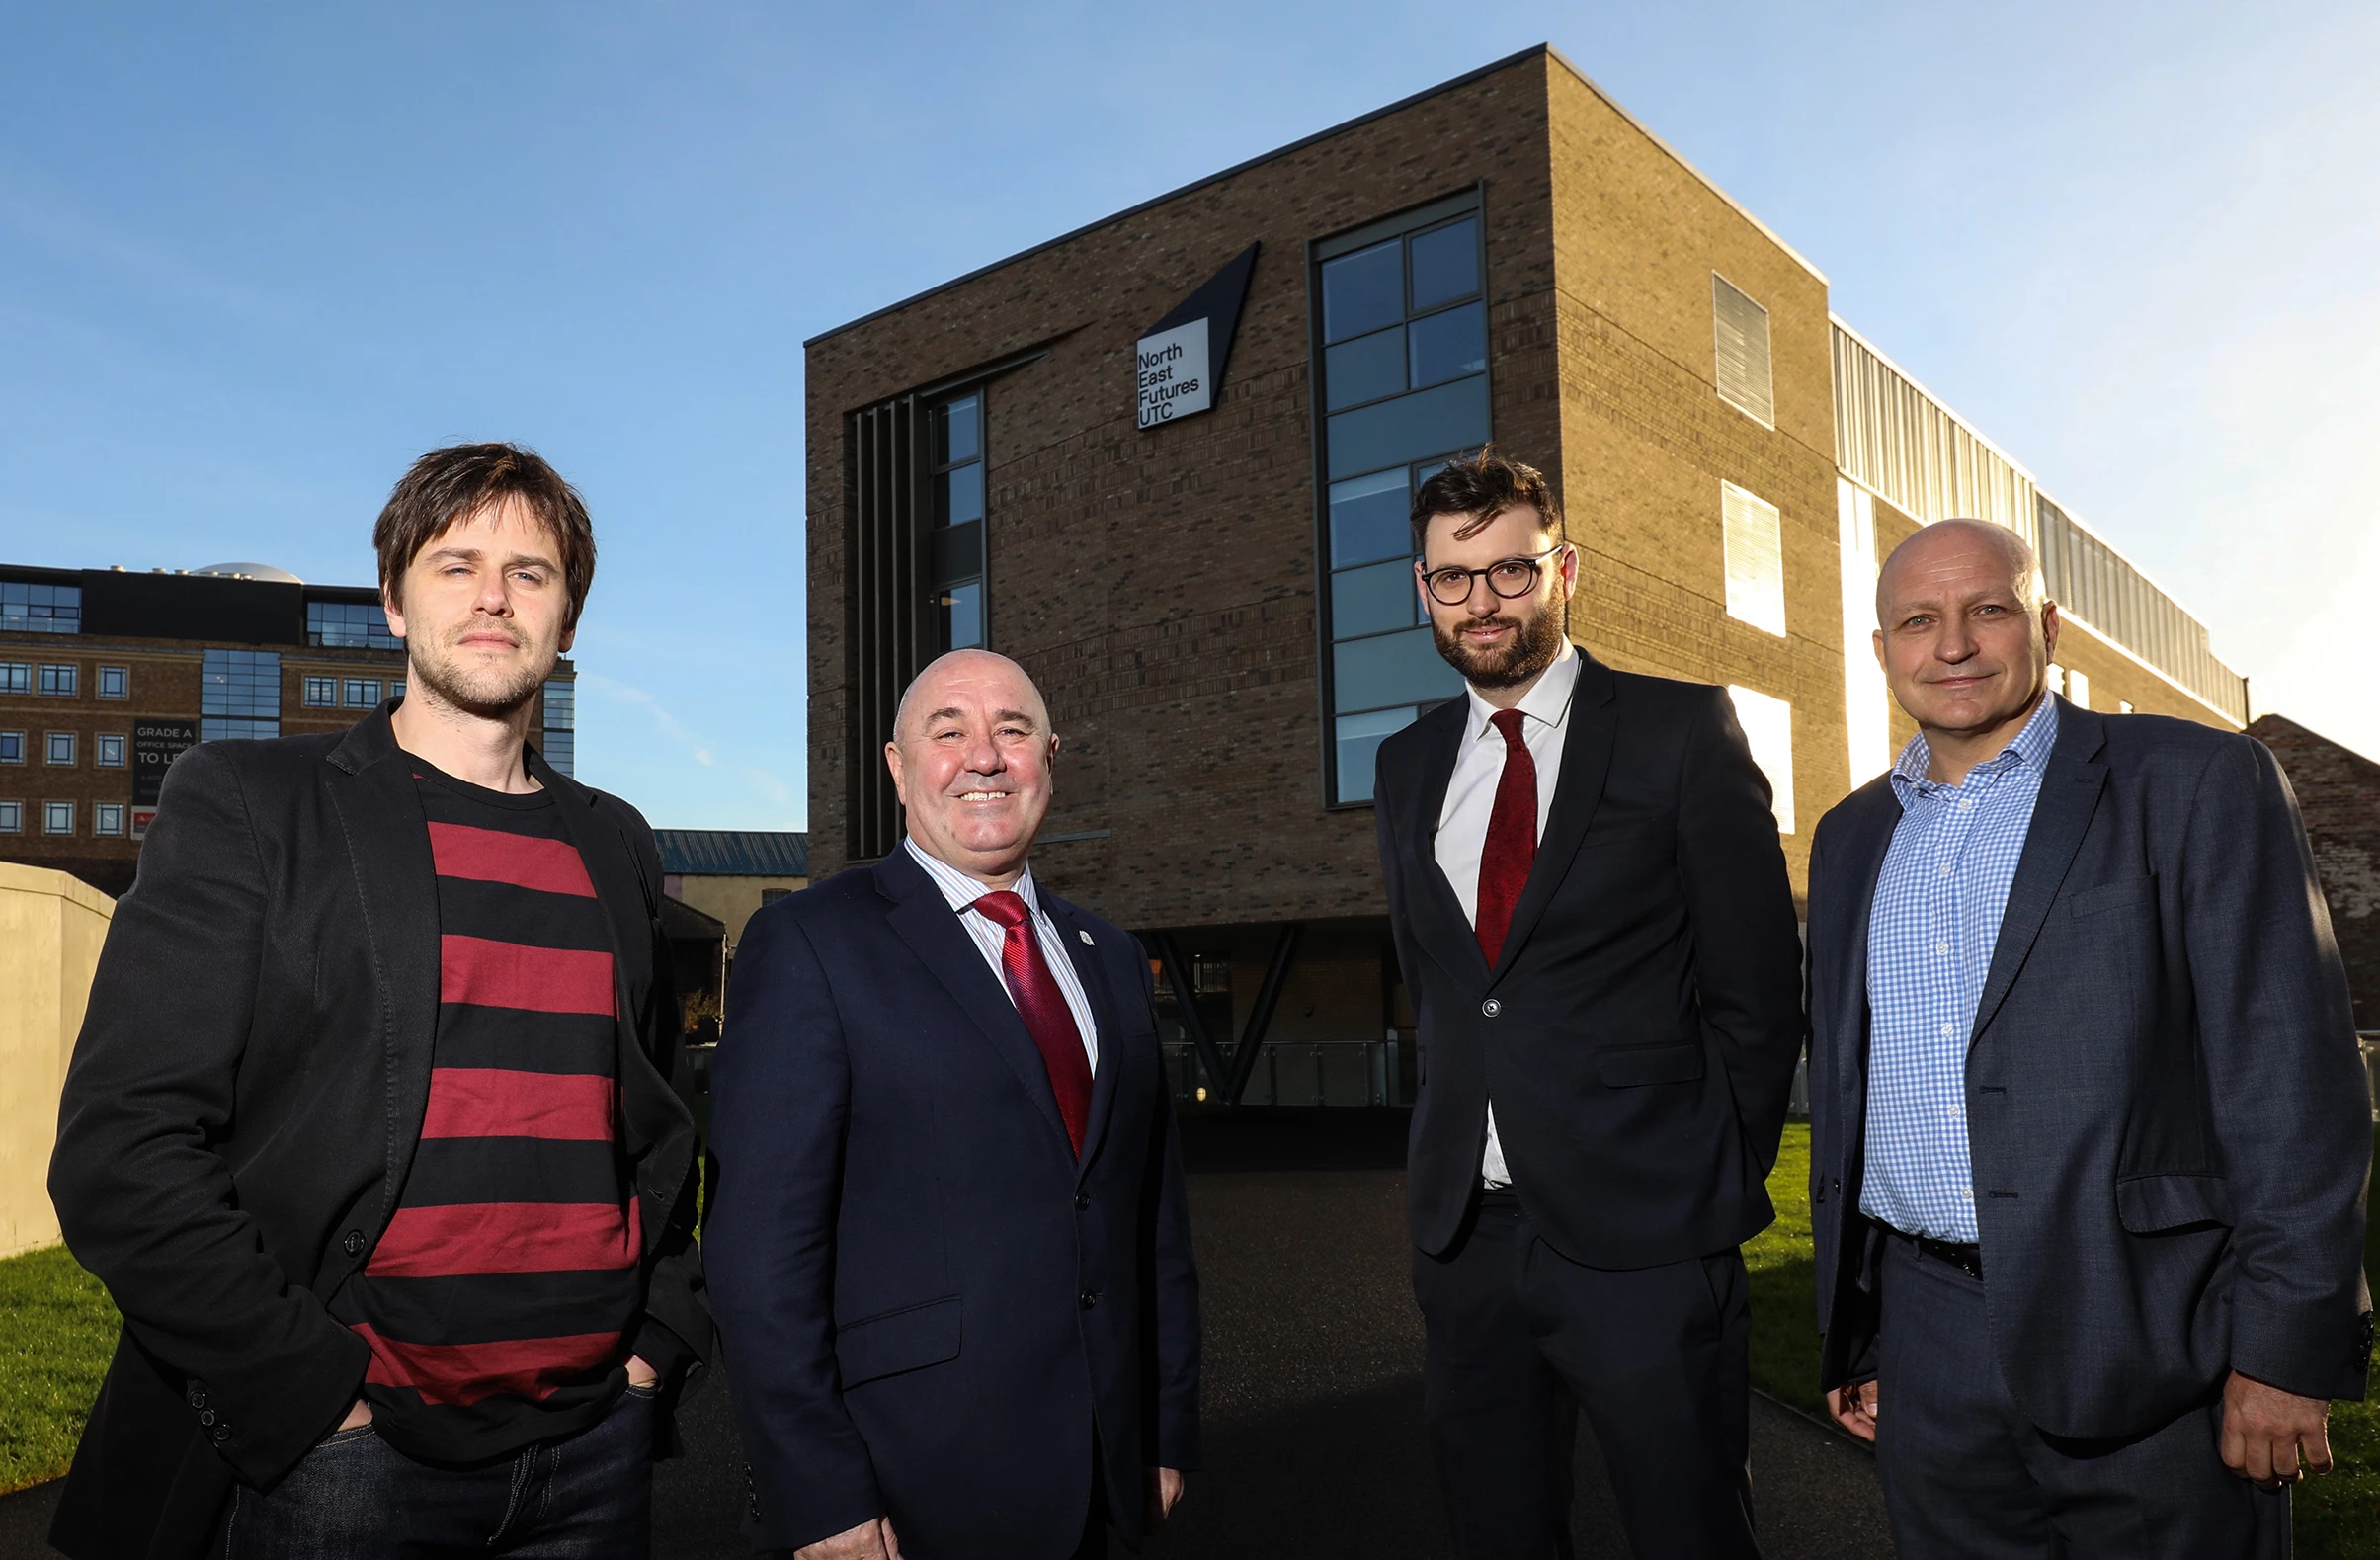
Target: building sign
column 156, row 744
column 1174, row 382
column 1180, row 361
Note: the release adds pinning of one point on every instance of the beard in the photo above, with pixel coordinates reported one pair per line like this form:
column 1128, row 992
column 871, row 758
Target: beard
column 1537, row 645
column 491, row 694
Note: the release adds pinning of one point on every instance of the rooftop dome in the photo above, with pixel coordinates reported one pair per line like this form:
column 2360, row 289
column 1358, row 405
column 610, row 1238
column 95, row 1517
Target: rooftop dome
column 250, row 571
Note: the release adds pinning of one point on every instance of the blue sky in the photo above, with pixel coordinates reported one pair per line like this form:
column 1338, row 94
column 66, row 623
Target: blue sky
column 254, row 260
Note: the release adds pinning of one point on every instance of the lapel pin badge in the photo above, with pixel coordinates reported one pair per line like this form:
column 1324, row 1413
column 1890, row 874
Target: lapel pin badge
column 1085, row 935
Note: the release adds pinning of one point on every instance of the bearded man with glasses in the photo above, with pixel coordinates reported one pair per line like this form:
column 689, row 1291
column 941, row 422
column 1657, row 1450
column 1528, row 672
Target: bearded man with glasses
column 1592, row 913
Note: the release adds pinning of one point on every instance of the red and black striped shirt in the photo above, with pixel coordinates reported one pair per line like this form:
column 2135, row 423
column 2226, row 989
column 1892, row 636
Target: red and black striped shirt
column 498, row 1300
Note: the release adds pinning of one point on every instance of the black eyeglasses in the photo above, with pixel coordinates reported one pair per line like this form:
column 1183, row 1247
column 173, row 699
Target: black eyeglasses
column 1509, row 578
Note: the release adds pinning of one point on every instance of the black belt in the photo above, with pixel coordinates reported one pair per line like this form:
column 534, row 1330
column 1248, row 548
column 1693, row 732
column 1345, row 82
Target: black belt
column 1965, row 1256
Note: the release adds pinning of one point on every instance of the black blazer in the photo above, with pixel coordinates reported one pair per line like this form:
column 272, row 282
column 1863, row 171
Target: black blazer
column 245, row 1099
column 1640, row 1032
column 2170, row 1125
column 928, row 1305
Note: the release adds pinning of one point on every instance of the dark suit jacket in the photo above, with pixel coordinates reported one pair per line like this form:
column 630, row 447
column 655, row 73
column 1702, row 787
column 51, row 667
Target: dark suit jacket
column 929, row 1305
column 2169, row 1126
column 1640, row 1032
column 245, row 1099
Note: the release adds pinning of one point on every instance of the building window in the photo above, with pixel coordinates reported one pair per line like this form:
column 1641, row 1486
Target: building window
column 321, row 693
column 560, row 746
column 2078, row 688
column 955, row 546
column 1866, row 700
column 12, row 747
column 115, row 681
column 1755, row 559
column 107, row 817
column 769, row 896
column 1402, row 354
column 111, row 751
column 1767, row 724
column 60, row 682
column 360, row 626
column 16, row 677
column 2057, row 677
column 1740, row 329
column 361, row 692
column 57, row 817
column 240, row 695
column 12, row 817
column 41, row 609
column 59, row 748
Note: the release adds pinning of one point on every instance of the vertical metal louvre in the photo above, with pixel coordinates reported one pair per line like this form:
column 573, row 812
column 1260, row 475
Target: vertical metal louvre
column 1740, row 340
column 888, row 616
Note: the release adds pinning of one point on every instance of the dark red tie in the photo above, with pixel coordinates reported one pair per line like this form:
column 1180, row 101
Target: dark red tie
column 1043, row 1008
column 1511, row 842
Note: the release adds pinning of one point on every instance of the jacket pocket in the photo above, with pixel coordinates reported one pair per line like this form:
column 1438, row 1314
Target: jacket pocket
column 2120, row 895
column 1636, row 1065
column 904, row 1340
column 2148, row 1204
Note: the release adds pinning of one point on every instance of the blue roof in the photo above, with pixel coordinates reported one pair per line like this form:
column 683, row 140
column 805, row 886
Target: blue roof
column 733, row 853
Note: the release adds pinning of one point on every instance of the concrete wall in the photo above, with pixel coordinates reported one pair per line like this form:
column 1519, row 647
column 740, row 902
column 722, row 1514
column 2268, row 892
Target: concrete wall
column 729, row 900
column 52, row 927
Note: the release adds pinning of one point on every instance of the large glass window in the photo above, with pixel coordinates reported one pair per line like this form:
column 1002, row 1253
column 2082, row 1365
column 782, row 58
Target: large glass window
column 41, row 609
column 60, row 749
column 115, row 681
column 12, row 817
column 16, row 677
column 240, row 695
column 107, row 817
column 111, row 750
column 561, row 744
column 62, row 681
column 12, row 747
column 359, row 625
column 1404, row 386
column 361, row 692
column 954, row 542
column 57, row 817
column 322, row 691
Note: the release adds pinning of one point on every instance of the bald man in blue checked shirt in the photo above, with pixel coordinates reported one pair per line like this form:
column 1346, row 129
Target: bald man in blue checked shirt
column 2090, row 1133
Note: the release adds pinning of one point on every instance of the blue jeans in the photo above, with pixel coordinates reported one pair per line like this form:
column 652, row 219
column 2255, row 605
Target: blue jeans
column 583, row 1496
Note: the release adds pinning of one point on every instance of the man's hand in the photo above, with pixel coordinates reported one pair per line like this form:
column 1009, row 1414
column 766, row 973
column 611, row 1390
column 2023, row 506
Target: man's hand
column 2264, row 1428
column 1854, row 1407
column 641, row 1374
column 1163, row 1488
column 871, row 1540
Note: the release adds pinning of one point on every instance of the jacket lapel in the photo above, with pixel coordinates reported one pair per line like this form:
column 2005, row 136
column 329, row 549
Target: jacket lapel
column 1448, row 934
column 389, row 845
column 1876, row 817
column 924, row 920
column 1578, row 790
column 2069, row 795
column 1091, row 970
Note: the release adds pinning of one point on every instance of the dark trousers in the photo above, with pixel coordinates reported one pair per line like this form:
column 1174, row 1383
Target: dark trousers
column 1967, row 1474
column 583, row 1496
column 1519, row 1339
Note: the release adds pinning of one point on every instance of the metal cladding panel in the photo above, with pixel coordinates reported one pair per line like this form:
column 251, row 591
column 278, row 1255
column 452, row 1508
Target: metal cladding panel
column 192, row 606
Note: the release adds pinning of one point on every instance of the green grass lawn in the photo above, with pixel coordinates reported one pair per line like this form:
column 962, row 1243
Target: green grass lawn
column 2337, row 1518
column 57, row 1330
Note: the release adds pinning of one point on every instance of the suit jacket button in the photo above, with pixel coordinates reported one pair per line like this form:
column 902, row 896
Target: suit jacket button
column 207, row 1415
column 1491, row 1007
column 1090, row 1298
column 354, row 1243
column 198, row 1398
column 1082, row 1199
column 223, row 1433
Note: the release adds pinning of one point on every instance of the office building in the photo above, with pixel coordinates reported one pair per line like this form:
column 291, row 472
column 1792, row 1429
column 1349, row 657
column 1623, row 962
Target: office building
column 1165, row 462
column 108, row 674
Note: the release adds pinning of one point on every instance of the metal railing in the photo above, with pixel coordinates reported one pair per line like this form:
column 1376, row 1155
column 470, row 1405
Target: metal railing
column 1306, row 1073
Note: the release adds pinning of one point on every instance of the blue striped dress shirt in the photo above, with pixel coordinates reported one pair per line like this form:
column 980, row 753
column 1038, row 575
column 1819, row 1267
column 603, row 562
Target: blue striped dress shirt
column 1930, row 939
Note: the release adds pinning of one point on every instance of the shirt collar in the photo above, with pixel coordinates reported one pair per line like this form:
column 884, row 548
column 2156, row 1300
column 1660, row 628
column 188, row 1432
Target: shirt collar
column 2031, row 747
column 1547, row 700
column 959, row 890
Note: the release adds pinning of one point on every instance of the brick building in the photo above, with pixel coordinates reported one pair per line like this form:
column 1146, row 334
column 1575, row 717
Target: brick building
column 1164, row 461
column 2338, row 791
column 107, row 675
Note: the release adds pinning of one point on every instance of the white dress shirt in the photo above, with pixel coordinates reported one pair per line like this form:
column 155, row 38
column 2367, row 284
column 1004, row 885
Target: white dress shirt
column 1462, row 823
column 961, row 892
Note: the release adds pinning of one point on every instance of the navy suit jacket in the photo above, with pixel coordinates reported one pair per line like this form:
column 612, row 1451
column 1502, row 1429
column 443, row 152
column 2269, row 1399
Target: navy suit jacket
column 2169, row 1126
column 932, row 1309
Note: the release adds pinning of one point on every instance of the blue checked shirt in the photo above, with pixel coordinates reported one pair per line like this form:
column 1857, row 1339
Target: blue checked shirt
column 1930, row 940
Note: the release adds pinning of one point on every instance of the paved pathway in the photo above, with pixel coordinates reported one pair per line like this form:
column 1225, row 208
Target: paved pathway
column 1313, row 1404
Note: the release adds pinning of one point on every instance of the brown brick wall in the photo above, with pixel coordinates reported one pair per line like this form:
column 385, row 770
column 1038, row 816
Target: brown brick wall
column 2338, row 792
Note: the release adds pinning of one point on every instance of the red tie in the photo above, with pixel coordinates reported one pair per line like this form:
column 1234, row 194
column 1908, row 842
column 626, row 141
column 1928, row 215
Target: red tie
column 1043, row 1008
column 1511, row 842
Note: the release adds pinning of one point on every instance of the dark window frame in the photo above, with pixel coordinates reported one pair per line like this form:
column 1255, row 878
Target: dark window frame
column 1414, row 221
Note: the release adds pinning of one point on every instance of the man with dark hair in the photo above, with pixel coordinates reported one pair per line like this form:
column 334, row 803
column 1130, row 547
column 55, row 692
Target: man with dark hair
column 1592, row 913
column 369, row 1131
column 2089, row 1137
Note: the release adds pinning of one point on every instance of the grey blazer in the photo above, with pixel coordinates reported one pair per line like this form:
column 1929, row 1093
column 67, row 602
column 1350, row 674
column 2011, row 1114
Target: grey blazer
column 2170, row 1125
